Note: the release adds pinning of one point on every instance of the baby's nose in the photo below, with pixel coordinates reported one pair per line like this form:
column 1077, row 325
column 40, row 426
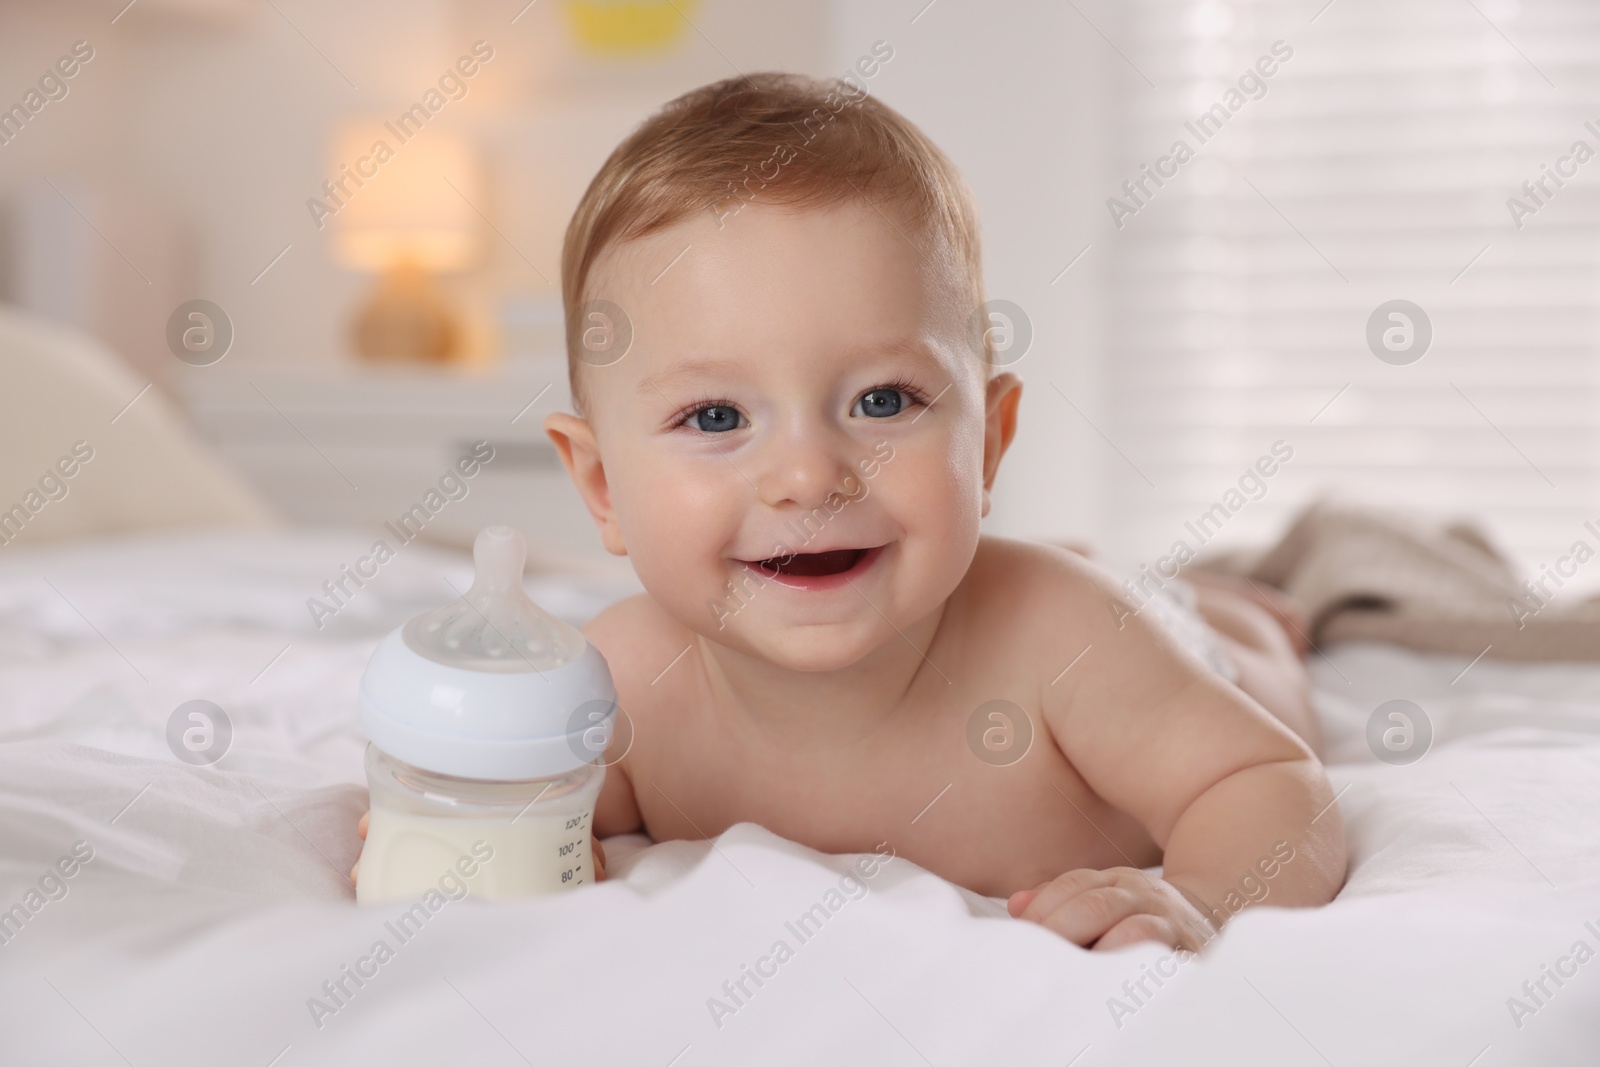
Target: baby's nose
column 800, row 472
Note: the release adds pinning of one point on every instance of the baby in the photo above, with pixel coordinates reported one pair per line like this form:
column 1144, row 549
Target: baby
column 789, row 417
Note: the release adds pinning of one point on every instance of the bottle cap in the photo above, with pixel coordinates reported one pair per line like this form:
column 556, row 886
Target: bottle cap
column 489, row 686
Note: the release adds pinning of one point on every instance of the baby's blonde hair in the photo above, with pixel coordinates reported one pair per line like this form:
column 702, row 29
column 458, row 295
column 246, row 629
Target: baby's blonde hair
column 770, row 138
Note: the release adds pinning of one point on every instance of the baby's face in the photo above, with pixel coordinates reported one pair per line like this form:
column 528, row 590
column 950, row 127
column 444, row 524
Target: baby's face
column 792, row 452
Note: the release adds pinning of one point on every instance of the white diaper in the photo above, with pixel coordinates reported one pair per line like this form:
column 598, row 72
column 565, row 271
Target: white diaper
column 1173, row 606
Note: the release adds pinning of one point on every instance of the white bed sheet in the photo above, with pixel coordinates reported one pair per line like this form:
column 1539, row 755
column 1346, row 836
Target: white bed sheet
column 216, row 906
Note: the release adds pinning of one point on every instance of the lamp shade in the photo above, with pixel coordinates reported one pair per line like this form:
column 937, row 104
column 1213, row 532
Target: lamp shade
column 404, row 199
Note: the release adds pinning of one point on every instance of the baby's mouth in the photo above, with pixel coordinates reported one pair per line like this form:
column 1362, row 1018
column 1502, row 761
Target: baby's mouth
column 813, row 564
column 818, row 572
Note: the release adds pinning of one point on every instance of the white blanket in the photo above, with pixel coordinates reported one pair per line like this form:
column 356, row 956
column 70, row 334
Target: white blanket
column 214, row 907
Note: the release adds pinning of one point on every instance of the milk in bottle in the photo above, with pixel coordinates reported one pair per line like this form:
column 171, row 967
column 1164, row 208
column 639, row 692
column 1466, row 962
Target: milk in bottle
column 487, row 722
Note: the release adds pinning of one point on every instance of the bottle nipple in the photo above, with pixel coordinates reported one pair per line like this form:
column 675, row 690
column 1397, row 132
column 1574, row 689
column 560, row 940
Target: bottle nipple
column 495, row 626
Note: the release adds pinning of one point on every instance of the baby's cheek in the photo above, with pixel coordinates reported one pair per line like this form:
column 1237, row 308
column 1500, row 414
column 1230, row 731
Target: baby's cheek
column 668, row 548
column 947, row 497
column 928, row 491
column 676, row 524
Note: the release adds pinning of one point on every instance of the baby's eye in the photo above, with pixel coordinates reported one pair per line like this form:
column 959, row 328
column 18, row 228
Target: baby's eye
column 716, row 418
column 879, row 403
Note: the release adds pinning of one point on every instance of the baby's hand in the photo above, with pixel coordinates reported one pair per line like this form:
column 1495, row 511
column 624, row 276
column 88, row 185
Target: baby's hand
column 599, row 853
column 1111, row 908
column 361, row 829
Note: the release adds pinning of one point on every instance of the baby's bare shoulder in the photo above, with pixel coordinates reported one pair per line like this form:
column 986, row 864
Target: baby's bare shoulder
column 1028, row 605
column 634, row 631
column 1029, row 580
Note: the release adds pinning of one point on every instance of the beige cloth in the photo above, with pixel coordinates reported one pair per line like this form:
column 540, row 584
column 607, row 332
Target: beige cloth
column 1364, row 575
column 65, row 397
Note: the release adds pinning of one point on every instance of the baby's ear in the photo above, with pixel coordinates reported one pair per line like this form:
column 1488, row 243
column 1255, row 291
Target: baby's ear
column 1000, row 425
column 580, row 454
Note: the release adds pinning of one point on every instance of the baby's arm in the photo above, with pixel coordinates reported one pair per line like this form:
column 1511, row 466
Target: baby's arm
column 1241, row 808
column 617, row 810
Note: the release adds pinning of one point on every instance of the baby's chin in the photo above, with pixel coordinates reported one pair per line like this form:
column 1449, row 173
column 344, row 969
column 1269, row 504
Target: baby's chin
column 805, row 648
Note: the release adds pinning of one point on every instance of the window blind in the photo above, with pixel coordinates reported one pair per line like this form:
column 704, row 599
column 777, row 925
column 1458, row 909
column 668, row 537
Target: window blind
column 1382, row 159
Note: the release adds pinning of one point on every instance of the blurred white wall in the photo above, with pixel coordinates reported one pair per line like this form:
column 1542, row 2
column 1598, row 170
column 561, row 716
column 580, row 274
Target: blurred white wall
column 224, row 112
column 219, row 113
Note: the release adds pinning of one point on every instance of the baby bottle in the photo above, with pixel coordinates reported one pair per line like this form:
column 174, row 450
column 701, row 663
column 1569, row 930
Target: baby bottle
column 487, row 722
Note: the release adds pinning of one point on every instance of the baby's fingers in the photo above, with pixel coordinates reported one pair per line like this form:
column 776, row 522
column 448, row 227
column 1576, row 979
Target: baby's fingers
column 361, row 830
column 1034, row 904
column 599, row 861
column 1140, row 927
column 1088, row 916
column 1018, row 902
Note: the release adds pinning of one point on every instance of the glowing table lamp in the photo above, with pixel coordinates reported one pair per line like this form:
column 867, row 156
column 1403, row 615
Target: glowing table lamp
column 404, row 209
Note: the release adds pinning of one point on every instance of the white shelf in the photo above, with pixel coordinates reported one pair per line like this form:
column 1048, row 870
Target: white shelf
column 351, row 445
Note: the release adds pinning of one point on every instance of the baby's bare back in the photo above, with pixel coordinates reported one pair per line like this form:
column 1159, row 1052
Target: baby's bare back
column 961, row 776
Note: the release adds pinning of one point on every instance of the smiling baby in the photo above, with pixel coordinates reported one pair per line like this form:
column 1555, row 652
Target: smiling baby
column 789, row 417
